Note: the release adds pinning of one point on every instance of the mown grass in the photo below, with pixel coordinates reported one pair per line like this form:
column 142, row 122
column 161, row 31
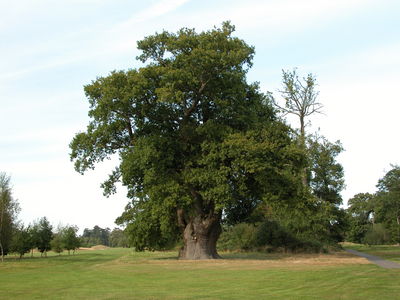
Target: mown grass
column 389, row 252
column 123, row 274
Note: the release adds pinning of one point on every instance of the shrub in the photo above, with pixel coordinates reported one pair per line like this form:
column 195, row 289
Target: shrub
column 267, row 236
column 377, row 235
column 238, row 237
column 272, row 236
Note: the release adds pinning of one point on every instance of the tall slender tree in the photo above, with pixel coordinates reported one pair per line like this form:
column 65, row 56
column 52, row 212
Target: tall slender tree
column 45, row 235
column 300, row 99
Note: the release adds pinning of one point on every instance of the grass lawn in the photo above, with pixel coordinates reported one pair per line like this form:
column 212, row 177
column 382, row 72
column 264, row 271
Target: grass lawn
column 123, row 274
column 389, row 252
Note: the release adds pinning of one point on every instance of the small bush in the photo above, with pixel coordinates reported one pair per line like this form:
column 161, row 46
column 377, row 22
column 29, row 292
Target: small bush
column 239, row 237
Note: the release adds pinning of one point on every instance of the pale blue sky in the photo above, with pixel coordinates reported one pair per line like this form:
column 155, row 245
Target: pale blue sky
column 50, row 49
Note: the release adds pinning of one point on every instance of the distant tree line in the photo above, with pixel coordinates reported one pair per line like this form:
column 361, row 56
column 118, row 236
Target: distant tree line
column 104, row 236
column 40, row 235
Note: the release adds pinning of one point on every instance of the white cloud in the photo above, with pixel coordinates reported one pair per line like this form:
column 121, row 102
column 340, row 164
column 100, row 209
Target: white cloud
column 156, row 10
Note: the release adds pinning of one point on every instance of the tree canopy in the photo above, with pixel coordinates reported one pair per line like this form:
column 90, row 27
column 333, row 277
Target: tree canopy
column 194, row 139
column 43, row 234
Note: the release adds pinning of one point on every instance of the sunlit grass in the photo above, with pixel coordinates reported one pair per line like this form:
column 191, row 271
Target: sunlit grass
column 124, row 274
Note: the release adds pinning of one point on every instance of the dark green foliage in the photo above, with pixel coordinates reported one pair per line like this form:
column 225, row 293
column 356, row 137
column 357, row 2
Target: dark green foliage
column 57, row 243
column 266, row 236
column 272, row 234
column 327, row 222
column 43, row 235
column 21, row 242
column 376, row 218
column 70, row 240
column 35, row 237
column 152, row 229
column 316, row 216
column 326, row 175
column 95, row 236
column 239, row 237
column 388, row 202
column 360, row 215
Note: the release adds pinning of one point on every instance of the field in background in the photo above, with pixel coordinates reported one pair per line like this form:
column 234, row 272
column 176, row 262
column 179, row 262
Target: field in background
column 123, row 274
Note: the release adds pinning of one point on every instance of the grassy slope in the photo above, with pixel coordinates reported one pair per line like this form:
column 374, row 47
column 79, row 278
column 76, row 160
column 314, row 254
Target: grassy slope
column 389, row 252
column 121, row 274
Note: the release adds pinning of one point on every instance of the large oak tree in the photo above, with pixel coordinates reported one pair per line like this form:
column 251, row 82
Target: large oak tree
column 195, row 140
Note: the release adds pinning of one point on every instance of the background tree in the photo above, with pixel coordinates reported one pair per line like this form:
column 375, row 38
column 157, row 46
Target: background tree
column 300, row 100
column 44, row 235
column 35, row 237
column 326, row 175
column 96, row 236
column 70, row 239
column 326, row 180
column 317, row 216
column 388, row 202
column 118, row 238
column 21, row 242
column 193, row 138
column 320, row 216
column 375, row 218
column 361, row 216
column 57, row 243
column 8, row 214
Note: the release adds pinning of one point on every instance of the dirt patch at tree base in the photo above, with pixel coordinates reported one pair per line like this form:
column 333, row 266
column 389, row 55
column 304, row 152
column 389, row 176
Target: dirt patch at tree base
column 247, row 262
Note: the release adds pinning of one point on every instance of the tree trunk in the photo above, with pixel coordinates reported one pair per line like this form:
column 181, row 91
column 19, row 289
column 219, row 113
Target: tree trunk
column 200, row 238
column 303, row 146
